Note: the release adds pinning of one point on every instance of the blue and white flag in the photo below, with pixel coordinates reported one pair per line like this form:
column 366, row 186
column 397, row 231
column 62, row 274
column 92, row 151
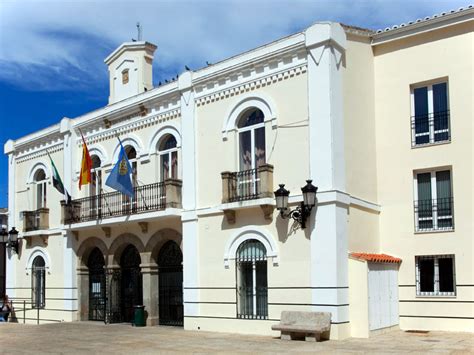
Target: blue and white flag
column 119, row 178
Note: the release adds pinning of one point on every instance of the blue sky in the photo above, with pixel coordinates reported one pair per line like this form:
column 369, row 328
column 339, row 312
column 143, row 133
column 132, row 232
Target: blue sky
column 52, row 52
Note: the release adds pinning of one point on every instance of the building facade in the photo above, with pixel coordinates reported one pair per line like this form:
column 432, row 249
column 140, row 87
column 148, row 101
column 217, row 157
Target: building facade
column 381, row 122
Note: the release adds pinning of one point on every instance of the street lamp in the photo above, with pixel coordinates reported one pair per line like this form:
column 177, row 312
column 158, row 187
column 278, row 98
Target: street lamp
column 13, row 241
column 10, row 239
column 303, row 211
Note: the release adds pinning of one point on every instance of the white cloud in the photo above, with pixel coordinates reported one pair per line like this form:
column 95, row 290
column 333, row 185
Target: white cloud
column 57, row 45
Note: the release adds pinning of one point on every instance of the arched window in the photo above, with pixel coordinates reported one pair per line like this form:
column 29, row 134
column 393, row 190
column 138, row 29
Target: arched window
column 132, row 158
column 251, row 265
column 168, row 158
column 38, row 276
column 40, row 188
column 251, row 128
column 96, row 176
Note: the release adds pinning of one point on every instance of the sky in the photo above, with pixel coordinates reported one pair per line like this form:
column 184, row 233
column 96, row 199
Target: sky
column 52, row 52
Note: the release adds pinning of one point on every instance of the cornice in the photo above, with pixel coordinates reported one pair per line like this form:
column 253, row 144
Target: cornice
column 419, row 26
column 253, row 78
column 133, row 123
column 38, row 151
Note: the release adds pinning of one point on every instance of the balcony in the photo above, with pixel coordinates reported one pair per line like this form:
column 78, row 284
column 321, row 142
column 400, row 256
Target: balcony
column 431, row 128
column 36, row 220
column 434, row 215
column 248, row 184
column 147, row 198
column 243, row 186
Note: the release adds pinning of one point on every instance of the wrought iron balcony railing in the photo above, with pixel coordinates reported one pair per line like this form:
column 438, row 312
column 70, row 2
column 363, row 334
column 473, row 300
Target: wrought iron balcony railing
column 248, row 184
column 36, row 220
column 146, row 198
column 430, row 128
column 434, row 215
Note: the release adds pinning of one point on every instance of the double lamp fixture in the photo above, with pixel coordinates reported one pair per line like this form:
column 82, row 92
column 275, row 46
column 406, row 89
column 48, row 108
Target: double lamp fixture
column 10, row 239
column 303, row 211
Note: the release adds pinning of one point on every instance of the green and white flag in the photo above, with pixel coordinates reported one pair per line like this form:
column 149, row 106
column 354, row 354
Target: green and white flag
column 58, row 183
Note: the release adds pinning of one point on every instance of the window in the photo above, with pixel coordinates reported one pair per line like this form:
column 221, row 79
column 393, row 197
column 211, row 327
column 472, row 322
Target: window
column 96, row 176
column 430, row 109
column 433, row 201
column 251, row 266
column 40, row 189
column 435, row 275
column 38, row 282
column 168, row 158
column 251, row 131
column 132, row 158
column 95, row 187
column 125, row 76
column 251, row 128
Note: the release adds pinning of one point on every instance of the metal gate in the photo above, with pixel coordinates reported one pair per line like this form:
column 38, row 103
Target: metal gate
column 170, row 285
column 113, row 313
column 131, row 284
column 97, row 294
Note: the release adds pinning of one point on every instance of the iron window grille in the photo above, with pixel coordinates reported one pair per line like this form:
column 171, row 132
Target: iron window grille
column 435, row 275
column 430, row 128
column 434, row 215
column 38, row 283
column 252, row 287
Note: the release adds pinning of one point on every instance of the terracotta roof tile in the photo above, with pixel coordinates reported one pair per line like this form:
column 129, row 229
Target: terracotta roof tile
column 376, row 258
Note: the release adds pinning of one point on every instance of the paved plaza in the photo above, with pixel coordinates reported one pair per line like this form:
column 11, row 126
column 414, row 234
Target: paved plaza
column 93, row 337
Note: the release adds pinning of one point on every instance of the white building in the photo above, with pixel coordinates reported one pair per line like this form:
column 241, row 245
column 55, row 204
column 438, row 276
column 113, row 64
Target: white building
column 382, row 124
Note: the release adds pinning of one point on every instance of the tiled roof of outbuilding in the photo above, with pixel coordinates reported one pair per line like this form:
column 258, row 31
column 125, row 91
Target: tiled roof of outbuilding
column 376, row 258
column 428, row 18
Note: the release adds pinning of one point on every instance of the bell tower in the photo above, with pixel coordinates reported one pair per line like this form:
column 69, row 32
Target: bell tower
column 130, row 70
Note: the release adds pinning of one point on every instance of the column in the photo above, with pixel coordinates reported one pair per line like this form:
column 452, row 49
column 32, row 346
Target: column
column 326, row 43
column 150, row 292
column 69, row 257
column 189, row 218
column 83, row 292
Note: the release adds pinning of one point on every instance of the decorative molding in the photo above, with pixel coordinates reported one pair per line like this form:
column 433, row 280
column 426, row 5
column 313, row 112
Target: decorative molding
column 267, row 211
column 251, row 232
column 230, row 216
column 143, row 227
column 107, row 231
column 38, row 150
column 252, row 83
column 41, row 252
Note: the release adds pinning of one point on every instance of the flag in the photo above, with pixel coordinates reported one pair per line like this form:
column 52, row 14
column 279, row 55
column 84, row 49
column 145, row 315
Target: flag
column 119, row 178
column 58, row 183
column 86, row 165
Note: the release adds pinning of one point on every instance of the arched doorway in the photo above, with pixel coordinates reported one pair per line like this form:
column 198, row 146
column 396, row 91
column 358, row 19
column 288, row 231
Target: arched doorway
column 131, row 283
column 96, row 264
column 170, row 283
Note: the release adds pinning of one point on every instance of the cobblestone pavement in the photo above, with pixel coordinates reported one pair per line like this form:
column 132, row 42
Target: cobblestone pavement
column 95, row 338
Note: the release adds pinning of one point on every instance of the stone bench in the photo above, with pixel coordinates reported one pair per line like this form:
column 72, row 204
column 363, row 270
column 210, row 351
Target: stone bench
column 312, row 325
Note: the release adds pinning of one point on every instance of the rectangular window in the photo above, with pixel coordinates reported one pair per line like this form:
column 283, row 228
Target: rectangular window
column 435, row 275
column 430, row 114
column 433, row 201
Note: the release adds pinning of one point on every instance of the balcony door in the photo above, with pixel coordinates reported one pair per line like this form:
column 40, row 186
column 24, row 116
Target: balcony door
column 251, row 131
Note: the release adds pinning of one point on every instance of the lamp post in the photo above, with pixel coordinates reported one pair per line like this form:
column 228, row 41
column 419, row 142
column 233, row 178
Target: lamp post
column 303, row 211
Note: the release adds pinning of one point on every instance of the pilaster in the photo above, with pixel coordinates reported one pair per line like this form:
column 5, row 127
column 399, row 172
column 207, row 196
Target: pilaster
column 150, row 292
column 9, row 149
column 189, row 196
column 326, row 44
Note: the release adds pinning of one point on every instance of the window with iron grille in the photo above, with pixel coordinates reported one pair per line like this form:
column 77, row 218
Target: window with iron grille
column 433, row 203
column 430, row 114
column 38, row 284
column 252, row 289
column 435, row 275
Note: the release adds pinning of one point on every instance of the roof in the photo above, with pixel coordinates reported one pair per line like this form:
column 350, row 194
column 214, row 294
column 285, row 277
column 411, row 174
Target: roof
column 376, row 258
column 426, row 19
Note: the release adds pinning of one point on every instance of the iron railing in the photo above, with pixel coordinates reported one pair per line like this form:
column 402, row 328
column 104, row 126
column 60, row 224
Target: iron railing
column 432, row 215
column 430, row 128
column 146, row 198
column 245, row 185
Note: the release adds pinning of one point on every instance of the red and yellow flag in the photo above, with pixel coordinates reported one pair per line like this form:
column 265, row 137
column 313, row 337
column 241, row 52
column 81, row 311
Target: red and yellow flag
column 86, row 165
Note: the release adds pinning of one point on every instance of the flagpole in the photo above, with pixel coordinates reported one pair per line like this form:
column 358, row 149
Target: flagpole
column 102, row 193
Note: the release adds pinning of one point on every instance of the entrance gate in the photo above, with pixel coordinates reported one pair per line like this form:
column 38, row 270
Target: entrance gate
column 113, row 312
column 170, row 285
column 131, row 282
column 96, row 265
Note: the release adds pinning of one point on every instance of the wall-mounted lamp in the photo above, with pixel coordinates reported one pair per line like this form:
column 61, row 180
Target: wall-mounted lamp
column 10, row 239
column 302, row 212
